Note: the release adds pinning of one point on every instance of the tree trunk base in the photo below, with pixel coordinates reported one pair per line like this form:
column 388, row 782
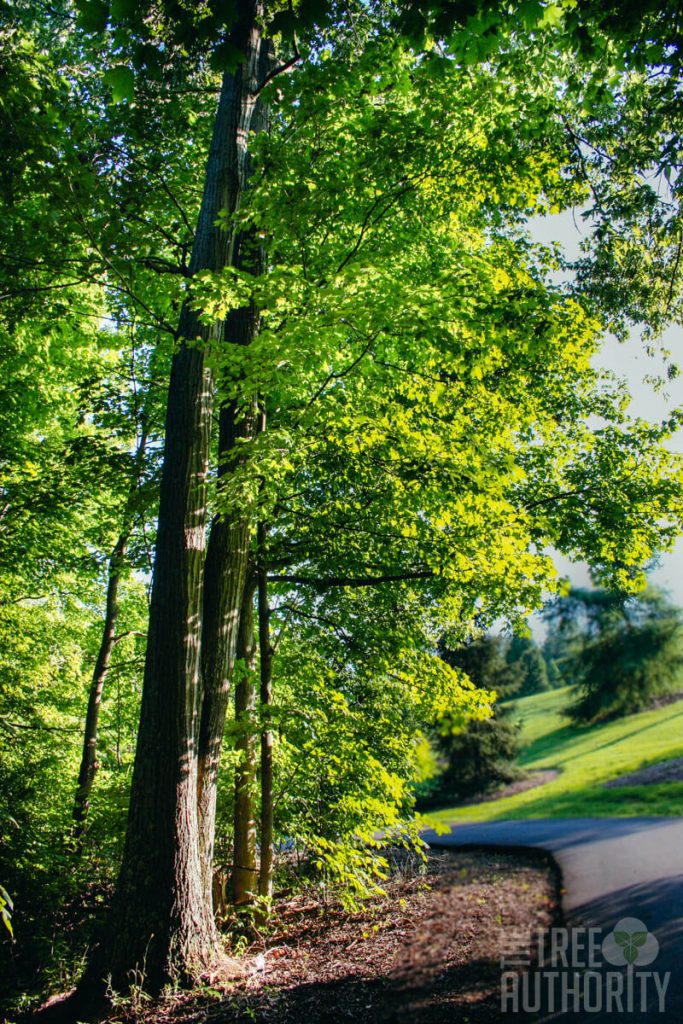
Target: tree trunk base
column 91, row 1001
column 227, row 969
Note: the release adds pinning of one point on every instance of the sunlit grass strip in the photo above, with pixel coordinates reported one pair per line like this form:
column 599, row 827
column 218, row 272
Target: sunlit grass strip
column 586, row 758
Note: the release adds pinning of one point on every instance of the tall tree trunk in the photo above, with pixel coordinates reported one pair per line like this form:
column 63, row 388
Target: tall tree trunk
column 161, row 924
column 229, row 542
column 88, row 767
column 266, row 657
column 226, row 565
column 244, row 874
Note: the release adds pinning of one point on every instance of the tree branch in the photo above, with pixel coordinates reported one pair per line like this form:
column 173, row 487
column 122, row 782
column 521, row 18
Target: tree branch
column 352, row 581
column 279, row 70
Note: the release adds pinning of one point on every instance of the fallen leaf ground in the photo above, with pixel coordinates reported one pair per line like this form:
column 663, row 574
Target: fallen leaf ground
column 427, row 952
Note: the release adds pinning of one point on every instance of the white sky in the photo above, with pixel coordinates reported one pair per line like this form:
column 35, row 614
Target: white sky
column 630, row 361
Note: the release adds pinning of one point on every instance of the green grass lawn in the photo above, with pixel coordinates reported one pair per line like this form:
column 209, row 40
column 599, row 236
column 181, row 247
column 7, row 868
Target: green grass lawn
column 586, row 757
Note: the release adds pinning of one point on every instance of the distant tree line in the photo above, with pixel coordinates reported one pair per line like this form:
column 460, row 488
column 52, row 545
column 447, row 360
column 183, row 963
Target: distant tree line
column 618, row 653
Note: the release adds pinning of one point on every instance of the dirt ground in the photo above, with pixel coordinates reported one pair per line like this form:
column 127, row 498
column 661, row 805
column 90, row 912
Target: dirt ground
column 665, row 771
column 530, row 781
column 428, row 952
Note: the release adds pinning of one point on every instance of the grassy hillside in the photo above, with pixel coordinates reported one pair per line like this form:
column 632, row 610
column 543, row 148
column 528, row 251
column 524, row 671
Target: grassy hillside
column 586, row 757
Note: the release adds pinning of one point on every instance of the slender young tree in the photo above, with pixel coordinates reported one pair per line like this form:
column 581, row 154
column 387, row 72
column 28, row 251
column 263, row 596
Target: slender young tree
column 244, row 874
column 115, row 572
column 266, row 695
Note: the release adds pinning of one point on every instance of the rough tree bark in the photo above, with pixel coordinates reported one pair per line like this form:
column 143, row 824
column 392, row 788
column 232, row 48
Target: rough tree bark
column 88, row 767
column 243, row 878
column 266, row 659
column 160, row 924
column 226, row 565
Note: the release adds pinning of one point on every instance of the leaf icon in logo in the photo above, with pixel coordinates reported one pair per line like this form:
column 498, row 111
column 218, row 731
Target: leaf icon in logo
column 630, row 943
column 631, row 953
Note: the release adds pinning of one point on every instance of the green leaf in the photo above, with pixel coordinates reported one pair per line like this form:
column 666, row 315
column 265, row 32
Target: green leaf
column 123, row 9
column 530, row 13
column 121, row 81
column 92, row 15
column 6, row 906
column 552, row 16
column 226, row 57
column 284, row 23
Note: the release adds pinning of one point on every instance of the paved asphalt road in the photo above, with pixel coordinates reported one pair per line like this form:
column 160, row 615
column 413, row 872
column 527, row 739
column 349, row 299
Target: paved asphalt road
column 612, row 868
